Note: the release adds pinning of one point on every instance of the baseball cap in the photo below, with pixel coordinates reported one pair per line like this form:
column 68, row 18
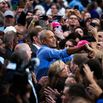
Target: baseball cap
column 10, row 28
column 9, row 13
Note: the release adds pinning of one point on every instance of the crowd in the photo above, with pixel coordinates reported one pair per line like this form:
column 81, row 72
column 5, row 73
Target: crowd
column 51, row 51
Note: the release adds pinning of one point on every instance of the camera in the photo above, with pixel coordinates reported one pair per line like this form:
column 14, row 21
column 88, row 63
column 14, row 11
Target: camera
column 43, row 17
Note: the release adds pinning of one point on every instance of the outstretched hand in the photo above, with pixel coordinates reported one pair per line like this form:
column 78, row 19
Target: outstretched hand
column 95, row 89
column 51, row 93
column 88, row 47
column 88, row 73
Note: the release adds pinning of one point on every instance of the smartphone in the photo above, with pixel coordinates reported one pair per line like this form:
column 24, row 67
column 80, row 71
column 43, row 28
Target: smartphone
column 43, row 17
column 93, row 24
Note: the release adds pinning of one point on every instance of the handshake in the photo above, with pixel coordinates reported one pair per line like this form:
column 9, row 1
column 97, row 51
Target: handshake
column 85, row 44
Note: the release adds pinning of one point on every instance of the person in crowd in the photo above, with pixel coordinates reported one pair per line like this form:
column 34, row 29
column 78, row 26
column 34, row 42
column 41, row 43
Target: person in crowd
column 57, row 70
column 79, row 100
column 2, row 5
column 35, row 42
column 57, row 74
column 66, row 37
column 73, row 91
column 80, row 31
column 23, row 51
column 70, row 43
column 47, row 53
column 93, row 87
column 9, row 18
column 86, row 15
column 10, row 40
column 47, row 4
column 7, row 6
column 73, row 22
column 91, row 8
column 55, row 10
column 20, row 27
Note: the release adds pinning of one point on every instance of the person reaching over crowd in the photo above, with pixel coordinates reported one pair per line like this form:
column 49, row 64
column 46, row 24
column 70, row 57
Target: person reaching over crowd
column 48, row 52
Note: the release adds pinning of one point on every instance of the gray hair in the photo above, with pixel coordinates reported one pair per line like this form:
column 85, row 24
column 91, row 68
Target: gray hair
column 21, row 47
column 43, row 35
column 9, row 36
column 21, row 51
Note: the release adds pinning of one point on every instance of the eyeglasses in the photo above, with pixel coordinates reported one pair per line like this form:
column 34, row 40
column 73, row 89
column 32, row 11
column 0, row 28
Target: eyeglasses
column 73, row 18
column 53, row 8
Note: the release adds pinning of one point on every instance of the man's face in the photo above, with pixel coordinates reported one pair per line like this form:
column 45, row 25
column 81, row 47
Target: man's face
column 99, row 45
column 100, row 36
column 73, row 20
column 9, row 21
column 18, row 11
column 2, row 5
column 50, row 40
column 54, row 9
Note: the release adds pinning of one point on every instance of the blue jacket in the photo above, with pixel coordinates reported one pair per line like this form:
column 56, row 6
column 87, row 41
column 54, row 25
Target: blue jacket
column 47, row 56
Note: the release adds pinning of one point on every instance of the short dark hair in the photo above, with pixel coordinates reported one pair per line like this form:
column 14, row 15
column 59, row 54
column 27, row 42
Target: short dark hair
column 34, row 32
column 77, row 90
column 96, row 67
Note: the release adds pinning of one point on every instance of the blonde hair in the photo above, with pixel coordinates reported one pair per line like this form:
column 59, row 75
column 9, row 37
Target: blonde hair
column 54, row 71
